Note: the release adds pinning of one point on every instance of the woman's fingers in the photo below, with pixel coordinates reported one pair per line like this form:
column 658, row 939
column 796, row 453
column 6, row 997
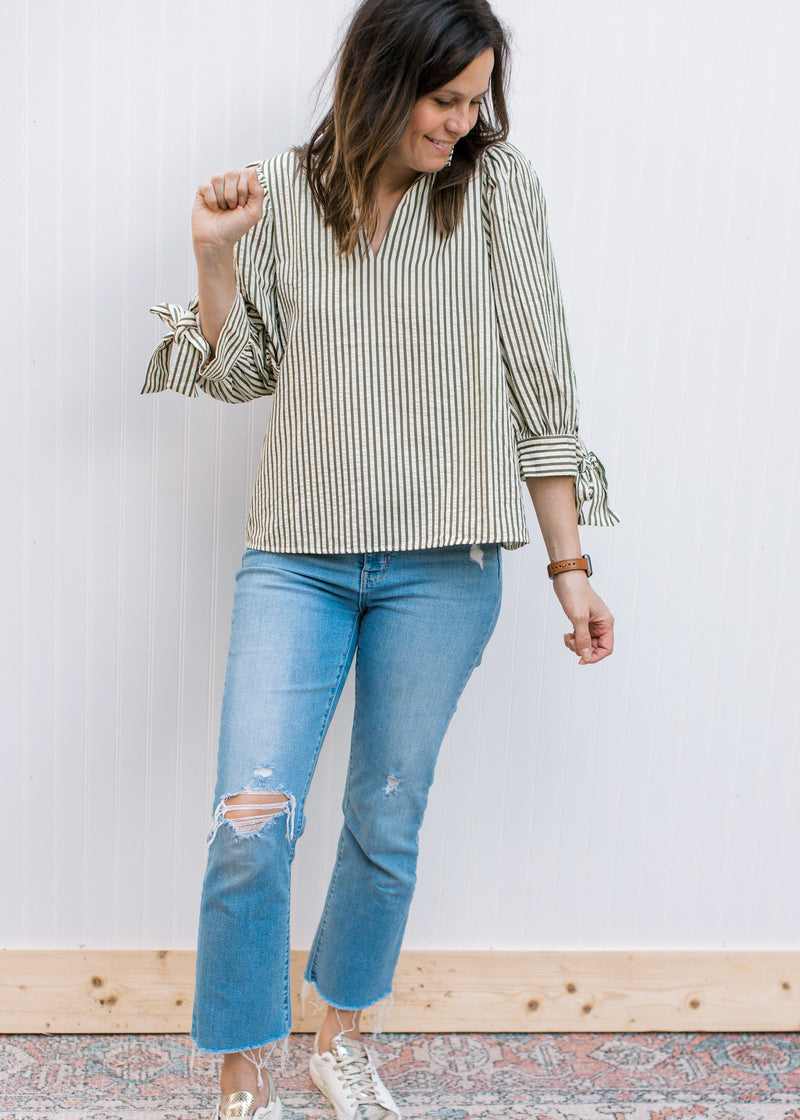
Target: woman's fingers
column 598, row 644
column 228, row 190
column 253, row 192
column 227, row 205
column 583, row 641
column 243, row 188
column 207, row 194
column 603, row 637
column 592, row 637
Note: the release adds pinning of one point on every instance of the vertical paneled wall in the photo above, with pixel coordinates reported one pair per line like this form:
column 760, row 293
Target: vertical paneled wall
column 648, row 802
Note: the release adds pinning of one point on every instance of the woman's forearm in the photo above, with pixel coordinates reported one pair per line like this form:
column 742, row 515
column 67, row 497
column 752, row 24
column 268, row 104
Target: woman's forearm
column 216, row 286
column 226, row 206
column 554, row 501
column 592, row 637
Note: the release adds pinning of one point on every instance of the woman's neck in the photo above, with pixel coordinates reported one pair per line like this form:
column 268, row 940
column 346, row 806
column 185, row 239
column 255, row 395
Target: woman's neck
column 395, row 179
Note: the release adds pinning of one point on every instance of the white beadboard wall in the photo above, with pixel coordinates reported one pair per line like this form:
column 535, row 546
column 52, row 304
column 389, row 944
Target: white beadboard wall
column 648, row 803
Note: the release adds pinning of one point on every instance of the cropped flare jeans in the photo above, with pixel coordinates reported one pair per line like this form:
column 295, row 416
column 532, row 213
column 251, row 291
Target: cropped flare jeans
column 417, row 623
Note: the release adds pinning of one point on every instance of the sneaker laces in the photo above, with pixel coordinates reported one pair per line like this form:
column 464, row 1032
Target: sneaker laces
column 356, row 1071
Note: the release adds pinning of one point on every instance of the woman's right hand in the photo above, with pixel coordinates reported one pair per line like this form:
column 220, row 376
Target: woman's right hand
column 226, row 206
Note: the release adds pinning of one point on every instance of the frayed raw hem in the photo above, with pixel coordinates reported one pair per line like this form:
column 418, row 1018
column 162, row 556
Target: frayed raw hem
column 376, row 1011
column 283, row 1040
column 307, row 996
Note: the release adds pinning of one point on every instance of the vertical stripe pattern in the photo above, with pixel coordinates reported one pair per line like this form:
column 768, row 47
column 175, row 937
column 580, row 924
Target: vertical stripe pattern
column 413, row 386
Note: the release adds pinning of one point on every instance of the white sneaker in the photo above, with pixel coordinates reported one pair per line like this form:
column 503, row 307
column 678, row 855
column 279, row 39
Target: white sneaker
column 347, row 1076
column 235, row 1105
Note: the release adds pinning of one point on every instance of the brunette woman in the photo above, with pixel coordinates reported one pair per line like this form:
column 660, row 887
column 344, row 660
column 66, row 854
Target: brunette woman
column 391, row 285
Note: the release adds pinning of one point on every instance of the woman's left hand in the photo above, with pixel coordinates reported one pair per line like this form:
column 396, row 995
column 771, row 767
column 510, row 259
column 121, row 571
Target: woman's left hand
column 592, row 638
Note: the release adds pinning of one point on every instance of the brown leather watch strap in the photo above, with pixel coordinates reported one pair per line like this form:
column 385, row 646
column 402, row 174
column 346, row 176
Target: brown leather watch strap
column 584, row 564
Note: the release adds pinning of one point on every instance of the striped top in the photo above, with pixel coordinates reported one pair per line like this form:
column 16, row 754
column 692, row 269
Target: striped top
column 413, row 387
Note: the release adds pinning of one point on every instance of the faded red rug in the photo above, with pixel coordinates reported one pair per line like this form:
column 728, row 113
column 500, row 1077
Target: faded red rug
column 433, row 1077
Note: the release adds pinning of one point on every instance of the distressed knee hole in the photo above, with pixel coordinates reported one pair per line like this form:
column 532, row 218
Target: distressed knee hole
column 248, row 812
column 251, row 810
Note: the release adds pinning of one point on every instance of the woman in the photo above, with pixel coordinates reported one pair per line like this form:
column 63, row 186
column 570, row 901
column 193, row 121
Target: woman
column 392, row 285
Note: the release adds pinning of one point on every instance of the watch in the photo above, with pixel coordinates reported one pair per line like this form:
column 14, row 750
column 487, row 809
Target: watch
column 584, row 564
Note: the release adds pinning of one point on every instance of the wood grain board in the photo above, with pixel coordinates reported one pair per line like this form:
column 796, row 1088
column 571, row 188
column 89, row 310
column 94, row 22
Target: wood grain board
column 145, row 991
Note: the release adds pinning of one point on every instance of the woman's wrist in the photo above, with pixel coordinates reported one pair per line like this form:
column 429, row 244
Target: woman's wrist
column 574, row 576
column 213, row 255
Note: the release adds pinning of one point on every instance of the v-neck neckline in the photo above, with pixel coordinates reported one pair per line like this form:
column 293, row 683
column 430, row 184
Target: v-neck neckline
column 377, row 254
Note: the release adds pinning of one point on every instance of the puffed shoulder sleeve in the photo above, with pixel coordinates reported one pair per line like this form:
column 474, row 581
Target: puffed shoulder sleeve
column 249, row 349
column 533, row 333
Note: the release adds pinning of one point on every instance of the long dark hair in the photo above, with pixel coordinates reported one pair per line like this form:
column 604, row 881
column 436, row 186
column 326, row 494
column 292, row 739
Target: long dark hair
column 394, row 52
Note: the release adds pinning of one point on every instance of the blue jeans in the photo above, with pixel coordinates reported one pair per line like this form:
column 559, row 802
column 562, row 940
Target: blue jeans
column 420, row 621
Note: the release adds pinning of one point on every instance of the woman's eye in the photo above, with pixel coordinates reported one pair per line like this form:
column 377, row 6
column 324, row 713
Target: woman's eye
column 448, row 104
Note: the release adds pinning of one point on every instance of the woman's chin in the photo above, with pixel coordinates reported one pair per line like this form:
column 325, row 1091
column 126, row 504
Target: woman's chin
column 436, row 161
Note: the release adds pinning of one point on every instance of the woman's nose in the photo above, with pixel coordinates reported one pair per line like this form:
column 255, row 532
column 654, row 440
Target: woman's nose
column 459, row 122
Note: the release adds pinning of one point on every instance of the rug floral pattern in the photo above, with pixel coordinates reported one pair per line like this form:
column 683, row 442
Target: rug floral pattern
column 434, row 1077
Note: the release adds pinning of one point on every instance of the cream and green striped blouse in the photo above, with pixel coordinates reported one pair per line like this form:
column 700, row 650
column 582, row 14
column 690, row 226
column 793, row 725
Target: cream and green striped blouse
column 413, row 387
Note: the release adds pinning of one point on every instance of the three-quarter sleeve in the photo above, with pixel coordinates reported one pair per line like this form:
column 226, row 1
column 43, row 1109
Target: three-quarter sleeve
column 249, row 349
column 533, row 334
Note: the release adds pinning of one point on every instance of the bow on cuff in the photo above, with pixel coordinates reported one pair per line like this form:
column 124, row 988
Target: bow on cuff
column 591, row 486
column 184, row 324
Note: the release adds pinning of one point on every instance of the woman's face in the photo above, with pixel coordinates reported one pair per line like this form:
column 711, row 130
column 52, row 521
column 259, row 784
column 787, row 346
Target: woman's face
column 442, row 117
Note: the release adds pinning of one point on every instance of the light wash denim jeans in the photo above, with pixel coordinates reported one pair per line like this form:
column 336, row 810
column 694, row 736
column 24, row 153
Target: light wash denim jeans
column 420, row 621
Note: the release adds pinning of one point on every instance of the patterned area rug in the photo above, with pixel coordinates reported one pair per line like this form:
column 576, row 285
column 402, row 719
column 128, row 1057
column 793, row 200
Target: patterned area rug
column 434, row 1077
